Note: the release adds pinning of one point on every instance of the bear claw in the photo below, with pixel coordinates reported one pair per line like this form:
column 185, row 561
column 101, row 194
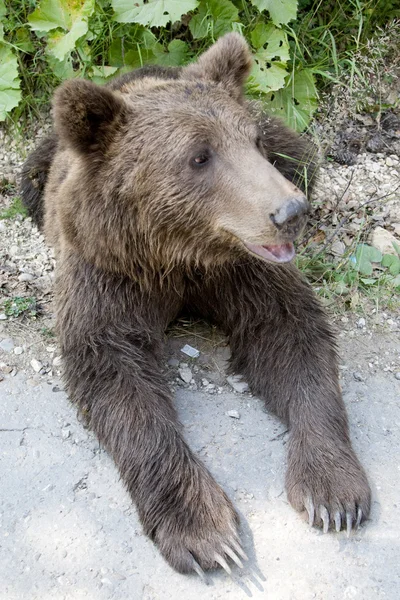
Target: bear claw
column 222, row 562
column 232, row 555
column 337, row 518
column 325, row 517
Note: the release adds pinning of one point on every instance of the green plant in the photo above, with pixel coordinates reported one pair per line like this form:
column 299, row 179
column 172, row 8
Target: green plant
column 44, row 42
column 16, row 208
column 18, row 306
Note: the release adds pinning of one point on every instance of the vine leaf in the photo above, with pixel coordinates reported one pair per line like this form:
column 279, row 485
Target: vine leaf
column 155, row 13
column 176, row 55
column 281, row 11
column 10, row 94
column 215, row 16
column 296, row 103
column 65, row 21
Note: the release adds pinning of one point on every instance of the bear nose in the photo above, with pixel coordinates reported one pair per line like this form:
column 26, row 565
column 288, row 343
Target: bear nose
column 288, row 217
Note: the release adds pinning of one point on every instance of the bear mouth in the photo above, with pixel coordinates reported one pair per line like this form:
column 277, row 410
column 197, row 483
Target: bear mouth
column 278, row 253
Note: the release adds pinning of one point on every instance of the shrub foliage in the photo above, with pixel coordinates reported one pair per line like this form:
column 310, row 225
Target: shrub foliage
column 43, row 42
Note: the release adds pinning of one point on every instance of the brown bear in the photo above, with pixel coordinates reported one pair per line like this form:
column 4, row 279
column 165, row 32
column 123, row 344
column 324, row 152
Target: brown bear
column 166, row 191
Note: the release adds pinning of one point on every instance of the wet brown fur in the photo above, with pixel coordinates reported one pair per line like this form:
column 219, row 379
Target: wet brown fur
column 137, row 243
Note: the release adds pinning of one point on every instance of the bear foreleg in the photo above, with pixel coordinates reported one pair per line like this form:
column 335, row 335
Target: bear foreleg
column 111, row 341
column 283, row 346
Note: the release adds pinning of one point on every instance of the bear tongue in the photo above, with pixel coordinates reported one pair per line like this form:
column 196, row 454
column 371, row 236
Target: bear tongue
column 281, row 253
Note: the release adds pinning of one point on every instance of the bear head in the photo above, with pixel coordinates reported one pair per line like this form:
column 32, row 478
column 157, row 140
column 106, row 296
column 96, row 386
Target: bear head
column 164, row 171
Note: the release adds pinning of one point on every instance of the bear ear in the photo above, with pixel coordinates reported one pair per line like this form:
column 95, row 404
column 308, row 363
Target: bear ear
column 227, row 62
column 86, row 116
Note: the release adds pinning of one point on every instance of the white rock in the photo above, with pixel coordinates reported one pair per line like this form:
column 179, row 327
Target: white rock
column 18, row 350
column 185, row 374
column 7, row 345
column 338, row 248
column 25, row 277
column 57, row 360
column 382, row 240
column 234, row 414
column 3, row 317
column 238, row 385
column 36, row 365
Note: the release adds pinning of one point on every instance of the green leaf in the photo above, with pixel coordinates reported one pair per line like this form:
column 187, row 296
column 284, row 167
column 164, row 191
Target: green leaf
column 388, row 260
column 100, row 75
column 396, row 247
column 200, row 23
column 65, row 15
column 60, row 44
column 134, row 53
column 368, row 281
column 155, row 13
column 23, row 40
column 281, row 11
column 62, row 69
column 297, row 102
column 275, row 39
column 266, row 77
column 396, row 281
column 3, row 9
column 367, row 252
column 216, row 16
column 176, row 55
column 393, row 262
column 10, row 94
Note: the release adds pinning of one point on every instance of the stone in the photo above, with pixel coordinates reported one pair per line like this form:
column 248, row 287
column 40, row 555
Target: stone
column 358, row 376
column 382, row 240
column 18, row 350
column 185, row 374
column 57, row 360
column 238, row 385
column 36, row 365
column 173, row 362
column 234, row 414
column 7, row 345
column 25, row 277
column 397, row 375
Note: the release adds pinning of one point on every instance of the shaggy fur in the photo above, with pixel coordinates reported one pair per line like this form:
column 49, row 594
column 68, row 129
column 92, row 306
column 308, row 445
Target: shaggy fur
column 160, row 191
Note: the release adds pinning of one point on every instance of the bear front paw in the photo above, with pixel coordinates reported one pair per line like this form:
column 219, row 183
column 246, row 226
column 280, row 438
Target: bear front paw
column 200, row 532
column 330, row 486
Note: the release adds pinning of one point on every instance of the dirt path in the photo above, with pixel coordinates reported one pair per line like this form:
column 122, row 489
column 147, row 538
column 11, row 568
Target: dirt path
column 68, row 530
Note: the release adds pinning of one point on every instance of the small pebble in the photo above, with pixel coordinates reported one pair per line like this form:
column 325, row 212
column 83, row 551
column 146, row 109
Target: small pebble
column 234, row 414
column 65, row 433
column 36, row 365
column 173, row 362
column 57, row 361
column 361, row 323
column 397, row 375
column 238, row 385
column 18, row 350
column 3, row 317
column 185, row 374
column 7, row 345
column 25, row 277
column 358, row 376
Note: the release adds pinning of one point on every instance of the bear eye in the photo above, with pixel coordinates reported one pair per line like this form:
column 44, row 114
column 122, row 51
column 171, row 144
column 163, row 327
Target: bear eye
column 201, row 159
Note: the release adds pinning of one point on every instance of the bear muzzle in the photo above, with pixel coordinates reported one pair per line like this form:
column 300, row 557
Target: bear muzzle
column 290, row 217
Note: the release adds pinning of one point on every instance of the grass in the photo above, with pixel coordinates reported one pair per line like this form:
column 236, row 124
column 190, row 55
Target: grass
column 16, row 208
column 21, row 306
